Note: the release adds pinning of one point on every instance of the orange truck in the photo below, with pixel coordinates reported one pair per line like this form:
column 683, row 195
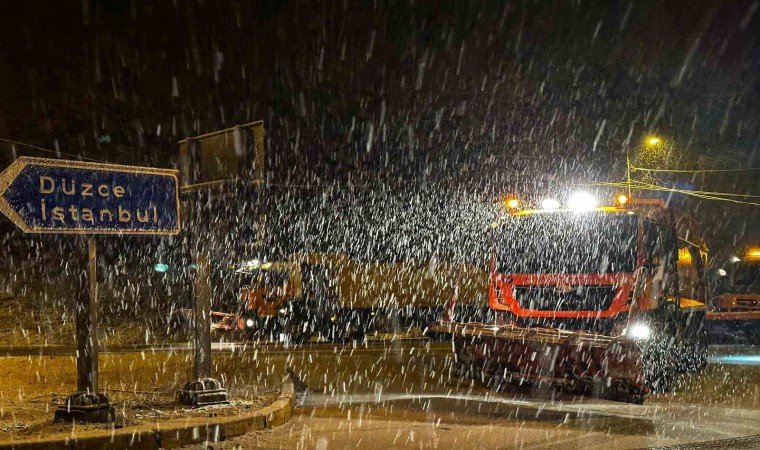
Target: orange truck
column 735, row 307
column 331, row 296
column 266, row 292
column 608, row 301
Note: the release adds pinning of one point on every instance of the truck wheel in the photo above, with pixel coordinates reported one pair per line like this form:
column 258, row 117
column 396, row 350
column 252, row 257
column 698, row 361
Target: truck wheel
column 356, row 325
column 659, row 381
column 387, row 320
column 464, row 368
column 468, row 368
column 695, row 355
column 296, row 332
column 345, row 330
column 659, row 371
column 299, row 323
column 352, row 331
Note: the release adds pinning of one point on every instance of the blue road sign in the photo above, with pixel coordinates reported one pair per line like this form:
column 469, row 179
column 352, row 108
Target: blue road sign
column 55, row 196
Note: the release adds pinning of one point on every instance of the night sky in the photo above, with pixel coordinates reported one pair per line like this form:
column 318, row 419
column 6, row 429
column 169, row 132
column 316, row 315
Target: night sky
column 507, row 92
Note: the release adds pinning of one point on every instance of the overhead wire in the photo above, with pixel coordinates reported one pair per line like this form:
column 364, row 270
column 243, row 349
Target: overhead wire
column 698, row 195
column 47, row 150
column 645, row 169
column 642, row 185
column 707, row 195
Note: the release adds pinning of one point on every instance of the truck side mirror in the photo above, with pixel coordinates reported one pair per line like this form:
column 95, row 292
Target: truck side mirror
column 721, row 283
column 651, row 241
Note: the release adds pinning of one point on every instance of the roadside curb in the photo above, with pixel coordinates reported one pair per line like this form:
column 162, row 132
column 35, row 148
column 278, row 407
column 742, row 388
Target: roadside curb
column 67, row 350
column 174, row 433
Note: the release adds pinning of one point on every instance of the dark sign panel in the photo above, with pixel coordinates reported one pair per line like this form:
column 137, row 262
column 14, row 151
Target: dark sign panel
column 54, row 196
column 236, row 153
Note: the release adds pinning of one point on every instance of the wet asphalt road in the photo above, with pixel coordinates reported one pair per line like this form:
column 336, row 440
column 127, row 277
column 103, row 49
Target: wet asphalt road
column 404, row 394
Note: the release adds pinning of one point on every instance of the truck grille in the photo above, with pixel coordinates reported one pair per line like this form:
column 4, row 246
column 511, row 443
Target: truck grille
column 567, row 298
column 747, row 302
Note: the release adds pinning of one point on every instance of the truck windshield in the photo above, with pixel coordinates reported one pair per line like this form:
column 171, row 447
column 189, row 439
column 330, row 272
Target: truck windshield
column 567, row 243
column 259, row 279
column 274, row 278
column 747, row 275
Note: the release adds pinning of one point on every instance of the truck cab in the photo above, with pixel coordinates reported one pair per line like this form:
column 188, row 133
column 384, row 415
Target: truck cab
column 266, row 292
column 634, row 269
column 592, row 270
column 735, row 307
column 738, row 288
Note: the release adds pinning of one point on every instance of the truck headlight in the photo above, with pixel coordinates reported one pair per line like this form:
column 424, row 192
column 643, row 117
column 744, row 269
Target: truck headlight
column 638, row 331
column 249, row 323
column 581, row 201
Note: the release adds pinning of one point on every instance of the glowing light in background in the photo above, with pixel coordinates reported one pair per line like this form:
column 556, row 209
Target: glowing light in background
column 653, row 140
column 581, row 201
column 549, row 203
column 744, row 360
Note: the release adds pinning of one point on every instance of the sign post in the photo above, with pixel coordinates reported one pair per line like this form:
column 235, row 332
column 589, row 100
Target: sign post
column 218, row 169
column 202, row 361
column 204, row 389
column 87, row 324
column 48, row 196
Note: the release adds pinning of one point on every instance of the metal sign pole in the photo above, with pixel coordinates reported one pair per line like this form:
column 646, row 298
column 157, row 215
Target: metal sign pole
column 202, row 311
column 87, row 326
column 87, row 405
column 203, row 389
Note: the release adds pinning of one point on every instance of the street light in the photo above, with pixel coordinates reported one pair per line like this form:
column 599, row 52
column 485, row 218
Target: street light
column 653, row 140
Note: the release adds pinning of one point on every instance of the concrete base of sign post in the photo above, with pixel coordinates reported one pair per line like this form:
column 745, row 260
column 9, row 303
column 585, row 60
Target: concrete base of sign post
column 180, row 432
column 203, row 392
column 86, row 407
